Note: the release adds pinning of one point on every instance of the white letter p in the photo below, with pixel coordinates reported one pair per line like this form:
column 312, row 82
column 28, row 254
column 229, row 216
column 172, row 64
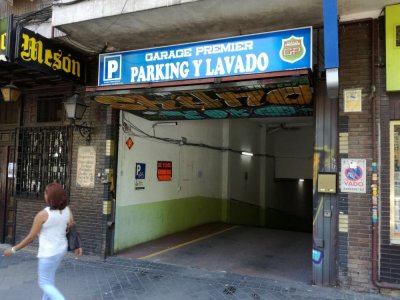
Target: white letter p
column 112, row 68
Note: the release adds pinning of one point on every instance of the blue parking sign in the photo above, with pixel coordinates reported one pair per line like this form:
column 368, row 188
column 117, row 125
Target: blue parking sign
column 112, row 68
column 140, row 171
column 241, row 55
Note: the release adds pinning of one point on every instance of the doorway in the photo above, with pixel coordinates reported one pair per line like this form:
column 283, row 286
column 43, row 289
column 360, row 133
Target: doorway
column 7, row 202
column 265, row 217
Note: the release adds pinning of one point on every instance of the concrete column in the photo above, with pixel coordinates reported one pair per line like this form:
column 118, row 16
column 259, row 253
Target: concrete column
column 325, row 205
column 263, row 173
column 225, row 183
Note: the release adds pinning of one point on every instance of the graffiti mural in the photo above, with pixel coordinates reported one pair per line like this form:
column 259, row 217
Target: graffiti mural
column 274, row 100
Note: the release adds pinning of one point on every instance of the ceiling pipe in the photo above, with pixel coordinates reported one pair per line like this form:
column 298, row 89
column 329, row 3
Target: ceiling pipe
column 68, row 3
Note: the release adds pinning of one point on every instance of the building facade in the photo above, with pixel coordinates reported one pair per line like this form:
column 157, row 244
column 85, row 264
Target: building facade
column 39, row 144
column 348, row 132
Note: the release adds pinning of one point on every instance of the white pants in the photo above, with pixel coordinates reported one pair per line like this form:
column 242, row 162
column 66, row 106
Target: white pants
column 47, row 268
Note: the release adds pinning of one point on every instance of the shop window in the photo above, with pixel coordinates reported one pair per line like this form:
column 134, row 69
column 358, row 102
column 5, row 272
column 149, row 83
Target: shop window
column 42, row 158
column 395, row 182
column 49, row 109
column 9, row 112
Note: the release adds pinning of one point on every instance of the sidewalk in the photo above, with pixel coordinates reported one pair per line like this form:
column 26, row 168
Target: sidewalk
column 91, row 278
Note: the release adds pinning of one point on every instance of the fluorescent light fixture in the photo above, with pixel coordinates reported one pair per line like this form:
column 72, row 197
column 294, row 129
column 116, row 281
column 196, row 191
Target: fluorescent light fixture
column 247, row 153
column 165, row 124
column 301, row 180
column 150, row 113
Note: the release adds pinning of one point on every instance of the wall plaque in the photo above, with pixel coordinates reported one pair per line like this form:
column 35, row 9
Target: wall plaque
column 85, row 173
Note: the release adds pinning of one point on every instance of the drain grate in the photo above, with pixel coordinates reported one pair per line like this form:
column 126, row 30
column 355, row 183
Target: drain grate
column 229, row 290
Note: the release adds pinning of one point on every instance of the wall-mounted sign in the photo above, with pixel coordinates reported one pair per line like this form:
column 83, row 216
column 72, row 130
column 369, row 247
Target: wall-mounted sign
column 353, row 175
column 5, row 37
column 140, row 176
column 86, row 167
column 248, row 54
column 317, row 256
column 164, row 170
column 352, row 100
column 129, row 143
column 11, row 170
column 37, row 52
column 392, row 26
column 284, row 99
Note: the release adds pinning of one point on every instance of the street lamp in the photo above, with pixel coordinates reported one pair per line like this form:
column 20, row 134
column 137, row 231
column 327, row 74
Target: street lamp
column 75, row 109
column 10, row 93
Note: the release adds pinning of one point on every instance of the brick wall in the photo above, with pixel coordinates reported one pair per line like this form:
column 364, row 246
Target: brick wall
column 86, row 203
column 354, row 247
column 28, row 208
column 389, row 109
column 26, row 211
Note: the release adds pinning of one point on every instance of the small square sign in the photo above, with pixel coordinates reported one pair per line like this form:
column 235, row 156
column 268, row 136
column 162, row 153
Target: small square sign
column 112, row 68
column 352, row 100
column 164, row 170
column 140, row 176
column 353, row 175
column 140, row 171
column 129, row 143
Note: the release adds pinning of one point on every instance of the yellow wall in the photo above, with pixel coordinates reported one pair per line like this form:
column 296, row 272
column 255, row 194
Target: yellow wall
column 392, row 50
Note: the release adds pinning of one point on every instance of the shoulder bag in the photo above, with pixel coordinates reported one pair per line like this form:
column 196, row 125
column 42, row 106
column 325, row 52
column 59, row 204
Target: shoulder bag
column 74, row 238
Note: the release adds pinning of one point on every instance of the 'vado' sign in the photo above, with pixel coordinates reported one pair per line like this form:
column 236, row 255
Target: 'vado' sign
column 353, row 176
column 250, row 54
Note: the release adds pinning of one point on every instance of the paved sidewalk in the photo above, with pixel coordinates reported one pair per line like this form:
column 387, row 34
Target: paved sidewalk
column 92, row 278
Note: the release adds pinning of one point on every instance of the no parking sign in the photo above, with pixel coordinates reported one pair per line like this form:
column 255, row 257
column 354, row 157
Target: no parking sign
column 353, row 176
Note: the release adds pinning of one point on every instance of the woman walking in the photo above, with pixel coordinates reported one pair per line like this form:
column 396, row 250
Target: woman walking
column 51, row 225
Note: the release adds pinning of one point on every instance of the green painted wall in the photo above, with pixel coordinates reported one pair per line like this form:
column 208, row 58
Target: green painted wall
column 140, row 223
column 136, row 224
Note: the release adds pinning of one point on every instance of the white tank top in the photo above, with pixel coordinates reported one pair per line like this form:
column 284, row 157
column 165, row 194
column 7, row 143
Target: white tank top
column 52, row 236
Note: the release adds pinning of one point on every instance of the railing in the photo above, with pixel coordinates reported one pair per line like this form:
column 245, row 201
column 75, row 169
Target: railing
column 43, row 154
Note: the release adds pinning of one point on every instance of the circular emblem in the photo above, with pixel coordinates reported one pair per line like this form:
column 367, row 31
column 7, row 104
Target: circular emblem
column 354, row 173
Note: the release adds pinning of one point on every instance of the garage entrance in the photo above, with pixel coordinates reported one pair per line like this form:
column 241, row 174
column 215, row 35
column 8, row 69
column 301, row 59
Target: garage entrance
column 214, row 133
column 265, row 227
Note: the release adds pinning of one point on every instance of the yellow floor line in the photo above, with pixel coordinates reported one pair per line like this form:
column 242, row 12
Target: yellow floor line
column 187, row 243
